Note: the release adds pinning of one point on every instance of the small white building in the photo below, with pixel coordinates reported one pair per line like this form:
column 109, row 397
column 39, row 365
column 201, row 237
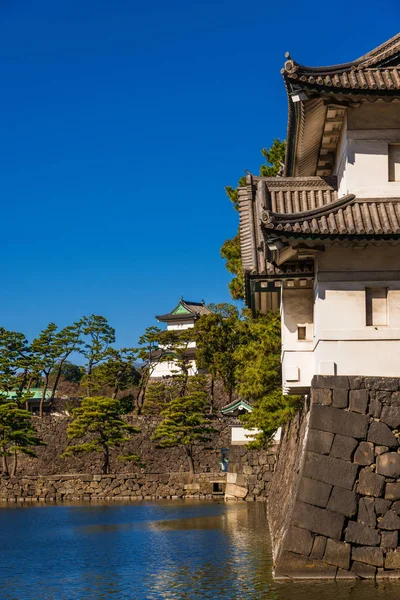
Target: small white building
column 240, row 436
column 182, row 317
column 322, row 241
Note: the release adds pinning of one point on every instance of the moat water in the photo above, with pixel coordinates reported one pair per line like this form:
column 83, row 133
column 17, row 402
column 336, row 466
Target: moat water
column 160, row 551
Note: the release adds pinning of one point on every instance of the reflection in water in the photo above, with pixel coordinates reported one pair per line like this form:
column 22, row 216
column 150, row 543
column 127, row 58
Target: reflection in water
column 163, row 551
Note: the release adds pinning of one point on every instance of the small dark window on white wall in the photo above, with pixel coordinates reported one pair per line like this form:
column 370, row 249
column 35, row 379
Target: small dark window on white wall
column 301, row 333
column 394, row 162
column 376, row 306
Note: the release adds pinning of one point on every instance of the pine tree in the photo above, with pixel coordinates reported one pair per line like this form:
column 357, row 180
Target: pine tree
column 98, row 420
column 17, row 435
column 258, row 370
column 216, row 341
column 184, row 425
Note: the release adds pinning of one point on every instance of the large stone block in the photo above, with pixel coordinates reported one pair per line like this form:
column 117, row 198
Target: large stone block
column 334, row 382
column 339, row 421
column 318, row 520
column 337, row 553
column 370, row 484
column 392, row 560
column 375, row 408
column 388, row 464
column 387, row 384
column 319, row 441
column 314, row 492
column 302, row 567
column 390, row 521
column 391, row 416
column 299, row 541
column 382, row 506
column 359, row 401
column 321, row 396
column 357, row 533
column 318, row 548
column 365, row 454
column 379, row 433
column 330, row 470
column 395, row 399
column 368, row 555
column 356, row 382
column 363, row 571
column 343, row 501
column 366, row 512
column 343, row 447
column 235, row 491
column 340, row 398
column 389, row 540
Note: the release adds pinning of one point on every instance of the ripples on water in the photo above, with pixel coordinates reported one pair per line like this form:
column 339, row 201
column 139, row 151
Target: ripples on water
column 163, row 551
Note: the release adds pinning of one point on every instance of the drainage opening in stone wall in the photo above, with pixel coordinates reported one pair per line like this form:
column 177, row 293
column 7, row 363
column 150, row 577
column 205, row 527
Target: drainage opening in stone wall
column 218, row 487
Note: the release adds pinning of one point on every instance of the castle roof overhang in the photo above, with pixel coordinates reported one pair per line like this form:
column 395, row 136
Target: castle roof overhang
column 185, row 312
column 284, row 222
column 319, row 97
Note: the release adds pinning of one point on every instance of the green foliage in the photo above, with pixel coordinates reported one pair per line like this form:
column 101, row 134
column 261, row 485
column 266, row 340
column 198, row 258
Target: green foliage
column 158, row 394
column 258, row 370
column 17, row 436
column 116, row 374
column 230, row 250
column 98, row 421
column 15, row 363
column 184, row 424
column 148, row 343
column 216, row 341
column 70, row 372
column 99, row 335
column 275, row 158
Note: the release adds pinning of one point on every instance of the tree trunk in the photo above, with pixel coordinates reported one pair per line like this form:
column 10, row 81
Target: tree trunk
column 42, row 399
column 28, row 389
column 57, row 380
column 212, row 396
column 14, row 467
column 5, row 465
column 189, row 454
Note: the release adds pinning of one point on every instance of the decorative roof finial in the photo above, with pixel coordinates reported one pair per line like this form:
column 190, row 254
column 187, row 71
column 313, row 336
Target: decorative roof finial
column 287, row 55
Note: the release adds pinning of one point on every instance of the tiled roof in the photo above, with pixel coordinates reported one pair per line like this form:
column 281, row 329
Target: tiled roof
column 348, row 216
column 318, row 98
column 273, row 209
column 378, row 70
column 185, row 309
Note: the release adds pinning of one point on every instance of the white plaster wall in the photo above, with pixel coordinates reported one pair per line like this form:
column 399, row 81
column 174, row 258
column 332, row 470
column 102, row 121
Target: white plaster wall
column 371, row 357
column 241, row 436
column 297, row 310
column 301, row 364
column 343, row 343
column 168, row 368
column 364, row 169
column 179, row 326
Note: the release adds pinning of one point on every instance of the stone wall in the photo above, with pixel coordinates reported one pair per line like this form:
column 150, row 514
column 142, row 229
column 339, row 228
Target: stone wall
column 53, row 430
column 127, row 487
column 344, row 479
column 249, row 473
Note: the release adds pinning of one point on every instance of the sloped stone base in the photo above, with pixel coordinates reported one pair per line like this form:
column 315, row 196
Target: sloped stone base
column 334, row 503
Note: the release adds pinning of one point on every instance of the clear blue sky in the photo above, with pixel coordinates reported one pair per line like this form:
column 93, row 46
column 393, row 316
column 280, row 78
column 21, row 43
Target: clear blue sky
column 121, row 122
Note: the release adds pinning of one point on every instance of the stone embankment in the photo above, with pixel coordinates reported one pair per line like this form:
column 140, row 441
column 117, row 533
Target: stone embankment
column 128, row 487
column 134, row 486
column 334, row 504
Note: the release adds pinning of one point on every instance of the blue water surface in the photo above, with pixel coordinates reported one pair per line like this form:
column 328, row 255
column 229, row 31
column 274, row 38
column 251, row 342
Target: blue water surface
column 150, row 551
